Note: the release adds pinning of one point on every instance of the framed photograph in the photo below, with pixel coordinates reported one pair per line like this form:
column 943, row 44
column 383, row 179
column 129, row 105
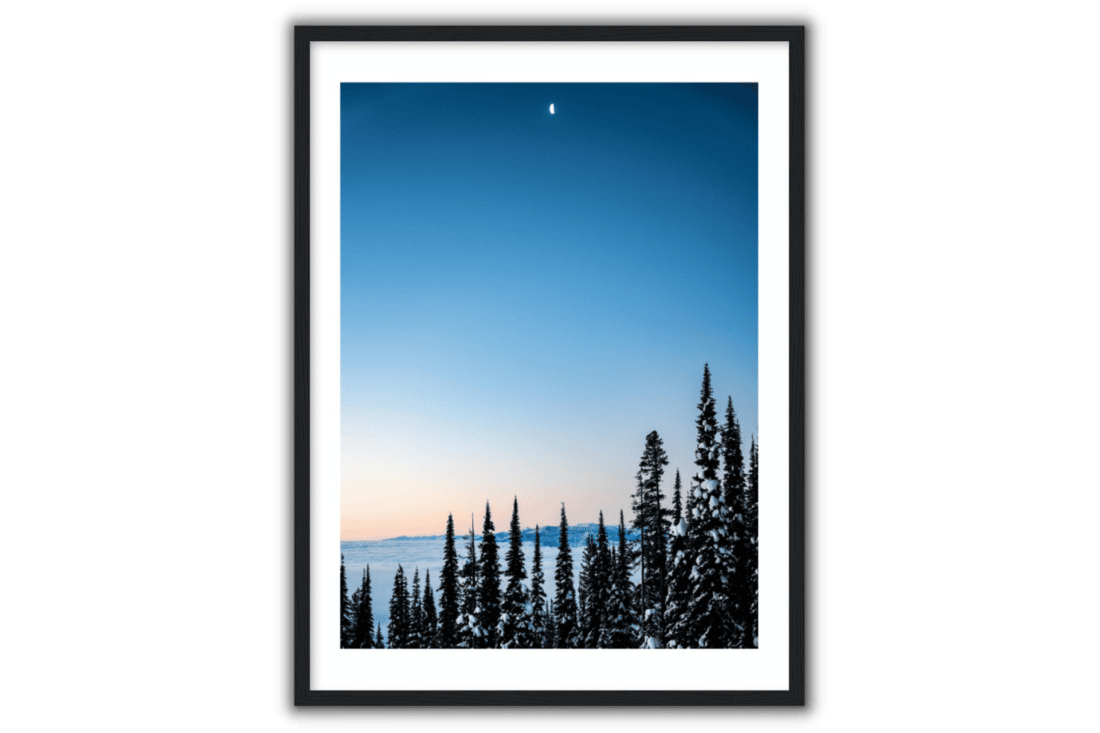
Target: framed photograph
column 549, row 335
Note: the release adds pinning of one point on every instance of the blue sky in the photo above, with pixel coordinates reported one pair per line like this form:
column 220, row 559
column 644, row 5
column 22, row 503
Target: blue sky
column 525, row 295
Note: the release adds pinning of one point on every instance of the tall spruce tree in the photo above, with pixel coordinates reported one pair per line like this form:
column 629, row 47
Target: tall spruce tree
column 640, row 555
column 616, row 621
column 399, row 611
column 733, row 459
column 611, row 612
column 678, row 634
column 431, row 631
column 711, row 626
column 515, row 625
column 587, row 610
column 565, row 599
column 448, row 591
column 364, row 615
column 752, row 523
column 733, row 483
column 470, row 635
column 602, row 588
column 622, row 625
column 345, row 611
column 353, row 609
column 539, row 625
column 488, row 593
column 652, row 519
column 677, row 505
column 551, row 626
column 416, row 615
column 379, row 642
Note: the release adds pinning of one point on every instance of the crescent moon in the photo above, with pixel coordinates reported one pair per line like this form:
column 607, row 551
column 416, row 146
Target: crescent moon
column 551, row 109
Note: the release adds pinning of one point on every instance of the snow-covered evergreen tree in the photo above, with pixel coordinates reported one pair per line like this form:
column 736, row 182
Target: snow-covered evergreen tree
column 448, row 591
column 752, row 523
column 364, row 615
column 431, row 632
column 551, row 626
column 565, row 600
column 711, row 626
column 652, row 520
column 353, row 609
column 470, row 635
column 399, row 611
column 602, row 589
column 615, row 621
column 515, row 625
column 733, row 484
column 678, row 634
column 622, row 626
column 733, row 459
column 587, row 610
column 488, row 592
column 379, row 642
column 640, row 555
column 416, row 615
column 345, row 611
column 677, row 505
column 539, row 621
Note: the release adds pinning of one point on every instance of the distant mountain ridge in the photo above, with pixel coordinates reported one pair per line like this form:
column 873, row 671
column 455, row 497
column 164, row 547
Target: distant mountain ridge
column 547, row 535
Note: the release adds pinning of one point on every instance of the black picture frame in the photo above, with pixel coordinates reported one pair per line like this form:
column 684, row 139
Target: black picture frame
column 804, row 704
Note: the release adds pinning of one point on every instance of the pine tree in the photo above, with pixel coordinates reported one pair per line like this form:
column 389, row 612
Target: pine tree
column 708, row 609
column 706, row 449
column 416, row 615
column 678, row 591
column 565, row 600
column 602, row 589
column 488, row 593
column 733, row 482
column 539, row 621
column 345, row 612
column 733, row 479
column 652, row 520
column 470, row 635
column 399, row 611
column 551, row 627
column 587, row 614
column 652, row 628
column 379, row 642
column 622, row 628
column 677, row 506
column 448, row 591
column 353, row 609
column 751, row 530
column 613, row 619
column 431, row 632
column 515, row 627
column 364, row 615
column 640, row 555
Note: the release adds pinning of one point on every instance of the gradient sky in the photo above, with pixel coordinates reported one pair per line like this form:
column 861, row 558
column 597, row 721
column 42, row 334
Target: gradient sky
column 525, row 296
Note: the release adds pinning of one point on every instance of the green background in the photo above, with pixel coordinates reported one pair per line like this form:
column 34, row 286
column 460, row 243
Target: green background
column 136, row 352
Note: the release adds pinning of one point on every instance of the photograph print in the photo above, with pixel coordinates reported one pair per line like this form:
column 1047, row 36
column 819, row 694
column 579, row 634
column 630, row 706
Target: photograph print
column 549, row 366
